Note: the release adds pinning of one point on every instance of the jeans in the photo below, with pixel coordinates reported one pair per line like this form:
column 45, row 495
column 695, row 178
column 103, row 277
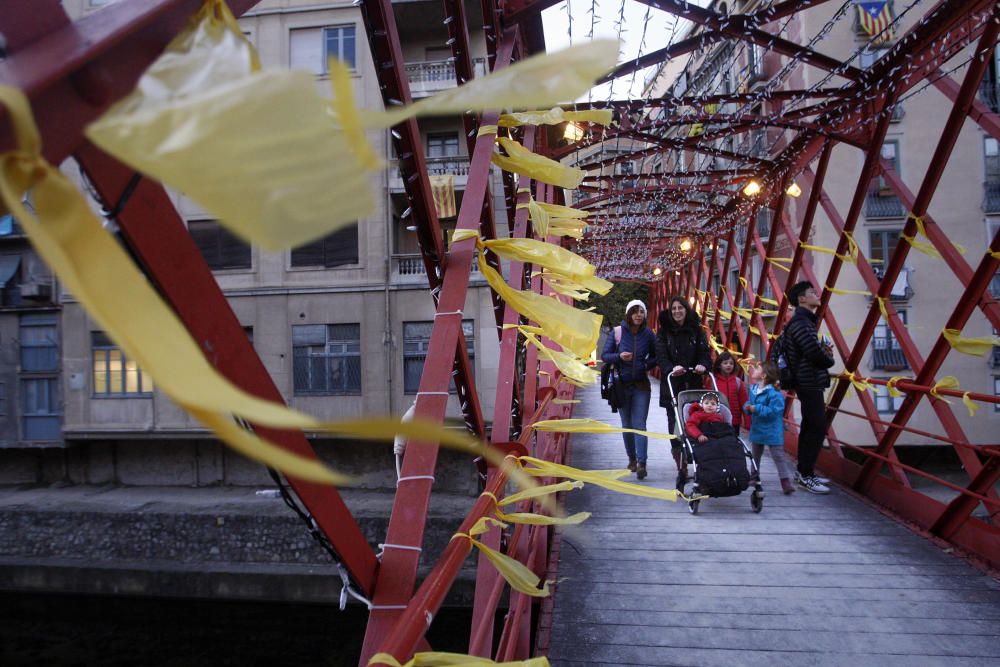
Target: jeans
column 812, row 430
column 633, row 415
column 781, row 461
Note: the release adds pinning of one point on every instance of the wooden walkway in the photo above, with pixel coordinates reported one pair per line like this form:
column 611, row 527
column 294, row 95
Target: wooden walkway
column 811, row 581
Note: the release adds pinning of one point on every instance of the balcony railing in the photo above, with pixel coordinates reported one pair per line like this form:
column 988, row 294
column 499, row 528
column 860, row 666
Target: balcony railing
column 991, row 196
column 887, row 355
column 432, row 76
column 456, row 165
column 878, row 205
column 410, row 268
column 901, row 288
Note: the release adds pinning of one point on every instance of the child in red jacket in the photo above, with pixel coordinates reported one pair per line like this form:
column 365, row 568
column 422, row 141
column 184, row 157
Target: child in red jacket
column 730, row 385
column 705, row 412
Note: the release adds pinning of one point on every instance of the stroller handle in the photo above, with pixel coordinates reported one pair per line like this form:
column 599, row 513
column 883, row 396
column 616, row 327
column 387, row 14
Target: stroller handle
column 689, row 369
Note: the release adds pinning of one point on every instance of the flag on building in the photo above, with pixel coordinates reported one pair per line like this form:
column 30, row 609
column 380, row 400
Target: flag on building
column 875, row 17
column 443, row 191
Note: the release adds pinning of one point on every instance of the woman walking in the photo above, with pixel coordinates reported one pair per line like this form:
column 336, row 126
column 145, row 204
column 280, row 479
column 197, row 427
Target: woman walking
column 680, row 344
column 631, row 349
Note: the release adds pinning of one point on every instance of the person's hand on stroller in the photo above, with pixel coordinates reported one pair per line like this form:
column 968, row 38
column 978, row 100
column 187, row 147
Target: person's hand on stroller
column 678, row 370
column 699, row 369
column 702, row 438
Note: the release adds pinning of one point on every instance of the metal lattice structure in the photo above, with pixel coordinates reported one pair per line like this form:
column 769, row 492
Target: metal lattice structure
column 73, row 72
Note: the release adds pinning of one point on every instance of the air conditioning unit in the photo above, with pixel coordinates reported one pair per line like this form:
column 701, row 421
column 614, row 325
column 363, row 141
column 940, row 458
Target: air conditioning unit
column 36, row 291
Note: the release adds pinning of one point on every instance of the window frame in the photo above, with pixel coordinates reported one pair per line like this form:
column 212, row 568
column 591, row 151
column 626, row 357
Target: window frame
column 884, row 403
column 352, row 262
column 445, row 140
column 888, row 341
column 342, row 350
column 108, row 347
column 420, row 352
column 222, row 236
column 31, row 374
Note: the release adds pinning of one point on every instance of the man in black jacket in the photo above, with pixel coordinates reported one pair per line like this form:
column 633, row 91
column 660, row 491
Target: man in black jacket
column 809, row 359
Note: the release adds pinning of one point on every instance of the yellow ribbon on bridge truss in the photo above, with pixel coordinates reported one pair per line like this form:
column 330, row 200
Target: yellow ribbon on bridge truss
column 586, row 425
column 852, row 249
column 975, row 347
column 517, row 574
column 520, row 160
column 571, row 367
column 265, row 153
column 926, row 248
column 555, row 116
column 555, row 219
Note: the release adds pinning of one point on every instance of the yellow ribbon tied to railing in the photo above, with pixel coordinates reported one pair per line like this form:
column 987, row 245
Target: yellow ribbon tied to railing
column 514, row 572
column 947, row 382
column 586, row 425
column 572, row 368
column 95, row 268
column 780, row 262
column 555, row 219
column 439, row 659
column 852, row 249
column 860, row 383
column 926, row 248
column 601, row 478
column 265, row 153
column 520, row 160
column 970, row 405
column 576, row 330
column 860, row 292
column 975, row 347
column 555, row 116
column 890, row 385
column 533, row 519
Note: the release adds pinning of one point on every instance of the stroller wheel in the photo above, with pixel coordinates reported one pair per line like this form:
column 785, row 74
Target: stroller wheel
column 693, row 506
column 756, row 501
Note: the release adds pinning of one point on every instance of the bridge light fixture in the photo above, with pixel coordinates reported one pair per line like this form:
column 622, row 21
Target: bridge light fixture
column 573, row 132
column 793, row 190
column 686, row 245
column 752, row 188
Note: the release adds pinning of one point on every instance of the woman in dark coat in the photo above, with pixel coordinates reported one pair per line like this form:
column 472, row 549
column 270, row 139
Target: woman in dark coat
column 680, row 344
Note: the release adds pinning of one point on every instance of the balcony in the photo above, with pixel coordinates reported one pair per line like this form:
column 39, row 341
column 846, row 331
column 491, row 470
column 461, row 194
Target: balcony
column 989, row 93
column 887, row 355
column 432, row 76
column 880, row 204
column 991, row 197
column 456, row 165
column 409, row 270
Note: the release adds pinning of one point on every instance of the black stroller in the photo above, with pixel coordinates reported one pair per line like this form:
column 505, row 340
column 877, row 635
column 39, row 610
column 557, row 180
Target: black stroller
column 721, row 467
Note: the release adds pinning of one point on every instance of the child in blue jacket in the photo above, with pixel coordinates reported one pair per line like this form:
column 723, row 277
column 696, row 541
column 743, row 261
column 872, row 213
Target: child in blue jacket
column 767, row 405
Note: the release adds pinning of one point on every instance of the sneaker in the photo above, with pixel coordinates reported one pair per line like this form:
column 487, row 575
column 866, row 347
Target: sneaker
column 813, row 485
column 787, row 487
column 818, row 478
column 631, row 465
column 640, row 471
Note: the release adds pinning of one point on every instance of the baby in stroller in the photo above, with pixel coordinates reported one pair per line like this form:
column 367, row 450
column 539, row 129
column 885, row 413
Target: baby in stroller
column 705, row 419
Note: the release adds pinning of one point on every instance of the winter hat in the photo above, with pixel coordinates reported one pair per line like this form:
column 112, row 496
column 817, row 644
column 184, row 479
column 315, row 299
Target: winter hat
column 632, row 304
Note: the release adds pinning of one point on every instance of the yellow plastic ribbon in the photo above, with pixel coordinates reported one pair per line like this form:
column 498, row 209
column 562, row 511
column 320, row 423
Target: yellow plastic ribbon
column 555, row 116
column 975, row 347
column 970, row 405
column 586, row 425
column 540, row 491
column 570, row 366
column 487, row 129
column 770, row 302
column 554, row 219
column 264, row 153
column 577, row 331
column 860, row 383
column 520, row 160
column 852, row 249
column 947, row 382
column 891, row 386
column 515, row 573
column 566, row 401
column 927, row 248
column 541, row 468
column 85, row 257
column 779, row 263
column 439, row 659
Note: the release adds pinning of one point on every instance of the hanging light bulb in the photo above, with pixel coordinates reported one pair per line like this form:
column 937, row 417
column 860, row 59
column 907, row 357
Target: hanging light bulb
column 752, row 188
column 686, row 245
column 793, row 190
column 657, row 271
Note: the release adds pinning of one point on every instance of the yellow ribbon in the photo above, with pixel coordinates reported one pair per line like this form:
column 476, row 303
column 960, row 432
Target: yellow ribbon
column 779, row 263
column 585, row 425
column 571, row 367
column 891, row 386
column 85, row 257
column 520, row 160
column 970, row 405
column 947, row 382
column 514, row 572
column 541, row 468
column 975, row 347
column 487, row 129
column 555, row 116
column 852, row 249
column 860, row 383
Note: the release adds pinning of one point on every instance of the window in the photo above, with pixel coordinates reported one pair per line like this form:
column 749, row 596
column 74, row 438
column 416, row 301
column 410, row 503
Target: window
column 326, row 359
column 309, row 48
column 416, row 338
column 881, row 202
column 38, row 377
column 886, row 351
column 989, row 89
column 991, row 176
column 336, row 249
column 755, row 62
column 114, row 374
column 765, row 217
column 221, row 249
column 883, row 243
column 884, row 402
column 443, row 144
column 890, row 153
column 996, row 392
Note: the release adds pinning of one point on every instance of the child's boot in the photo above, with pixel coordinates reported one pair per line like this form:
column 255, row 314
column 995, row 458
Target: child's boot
column 787, row 486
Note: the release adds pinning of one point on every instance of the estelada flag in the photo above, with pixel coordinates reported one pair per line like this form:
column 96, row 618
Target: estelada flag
column 875, row 18
column 443, row 191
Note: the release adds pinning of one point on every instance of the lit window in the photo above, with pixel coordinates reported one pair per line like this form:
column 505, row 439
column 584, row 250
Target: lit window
column 114, row 373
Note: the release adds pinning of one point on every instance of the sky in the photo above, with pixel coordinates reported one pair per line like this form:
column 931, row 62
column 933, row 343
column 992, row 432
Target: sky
column 612, row 18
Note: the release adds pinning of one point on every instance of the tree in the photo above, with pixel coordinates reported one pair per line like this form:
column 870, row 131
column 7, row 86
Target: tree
column 612, row 305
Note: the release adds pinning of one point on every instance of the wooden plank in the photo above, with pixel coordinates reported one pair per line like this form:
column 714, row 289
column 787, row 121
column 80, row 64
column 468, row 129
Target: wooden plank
column 818, row 580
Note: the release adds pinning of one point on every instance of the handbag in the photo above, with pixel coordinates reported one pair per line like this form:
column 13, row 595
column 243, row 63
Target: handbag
column 616, row 391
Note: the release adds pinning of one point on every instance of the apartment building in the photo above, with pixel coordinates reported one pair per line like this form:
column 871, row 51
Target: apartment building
column 966, row 204
column 342, row 324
